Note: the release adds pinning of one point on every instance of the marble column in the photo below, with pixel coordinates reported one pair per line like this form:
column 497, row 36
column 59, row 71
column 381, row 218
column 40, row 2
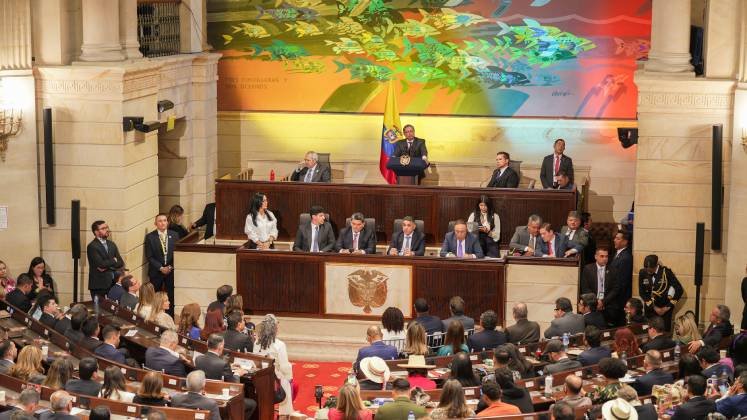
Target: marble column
column 128, row 29
column 670, row 38
column 101, row 31
column 15, row 37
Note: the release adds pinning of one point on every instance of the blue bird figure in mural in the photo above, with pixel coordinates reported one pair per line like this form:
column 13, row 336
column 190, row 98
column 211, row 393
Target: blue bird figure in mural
column 498, row 77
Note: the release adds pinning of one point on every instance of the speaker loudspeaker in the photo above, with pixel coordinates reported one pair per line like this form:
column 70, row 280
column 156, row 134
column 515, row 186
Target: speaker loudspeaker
column 75, row 228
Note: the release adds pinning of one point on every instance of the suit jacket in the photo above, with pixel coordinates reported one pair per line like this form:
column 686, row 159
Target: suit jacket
column 562, row 244
column 75, row 336
column 580, row 237
column 99, row 258
column 366, row 240
column 196, row 401
column 715, row 333
column 521, row 239
column 207, row 220
column 377, row 349
column 524, row 331
column 90, row 343
column 660, row 342
column 303, row 238
column 593, row 355
column 654, row 288
column 154, row 252
column 417, row 149
column 5, row 415
column 696, row 408
column 644, row 384
column 561, row 365
column 237, row 341
column 611, row 285
column 107, row 351
column 62, row 325
column 485, row 340
column 646, row 412
column 571, row 323
column 621, row 265
column 48, row 320
column 50, row 415
column 18, row 299
column 596, row 319
column 431, row 323
column 215, row 367
column 5, row 365
column 159, row 359
column 417, row 242
column 321, row 174
column 128, row 300
column 509, row 179
column 116, row 292
column 471, row 245
column 547, row 172
column 467, row 322
column 84, row 387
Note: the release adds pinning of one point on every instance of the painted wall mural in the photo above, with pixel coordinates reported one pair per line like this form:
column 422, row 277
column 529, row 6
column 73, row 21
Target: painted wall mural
column 527, row 58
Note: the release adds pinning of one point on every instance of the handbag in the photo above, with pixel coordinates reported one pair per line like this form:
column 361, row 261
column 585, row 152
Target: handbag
column 279, row 392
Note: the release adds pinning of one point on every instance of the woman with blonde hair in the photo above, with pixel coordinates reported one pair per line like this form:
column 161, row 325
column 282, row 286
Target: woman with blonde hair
column 175, row 220
column 416, row 341
column 685, row 329
column 269, row 345
column 452, row 404
column 7, row 283
column 151, row 391
column 147, row 299
column 349, row 405
column 59, row 373
column 28, row 367
column 158, row 315
column 189, row 321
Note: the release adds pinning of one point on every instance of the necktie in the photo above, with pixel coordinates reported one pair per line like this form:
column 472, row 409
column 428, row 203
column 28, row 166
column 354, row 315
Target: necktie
column 549, row 248
column 315, row 238
column 106, row 246
column 355, row 241
column 406, row 246
column 409, row 144
column 557, row 164
column 600, row 283
column 460, row 249
column 570, row 234
column 309, row 174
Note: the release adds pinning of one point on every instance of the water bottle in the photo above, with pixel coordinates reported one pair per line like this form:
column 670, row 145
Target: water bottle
column 410, row 415
column 624, row 358
column 723, row 380
column 677, row 351
column 565, row 341
column 96, row 305
column 548, row 385
column 272, row 174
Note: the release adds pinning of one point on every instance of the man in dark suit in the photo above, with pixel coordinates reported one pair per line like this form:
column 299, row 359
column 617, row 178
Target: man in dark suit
column 115, row 293
column 554, row 245
column 460, row 243
column 50, row 311
column 488, row 338
column 526, row 239
column 697, row 406
column 104, row 261
column 566, row 321
column 598, row 279
column 19, row 297
column 207, row 220
column 656, row 338
column 411, row 145
column 654, row 374
column 431, row 323
column 710, row 361
column 87, row 384
column 587, row 306
column 573, row 230
column 61, row 404
column 456, row 309
column 129, row 299
column 720, row 327
column 193, row 398
column 221, row 295
column 90, row 330
column 78, row 316
column 409, row 241
column 165, row 358
column 554, row 163
column 596, row 351
column 28, row 402
column 376, row 347
column 523, row 331
column 234, row 338
column 357, row 238
column 310, row 170
column 159, row 251
column 622, row 265
column 109, row 349
column 659, row 289
column 316, row 236
column 503, row 176
column 8, row 353
column 559, row 360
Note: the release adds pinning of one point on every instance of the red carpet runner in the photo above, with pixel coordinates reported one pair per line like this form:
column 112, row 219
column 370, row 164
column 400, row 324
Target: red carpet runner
column 309, row 374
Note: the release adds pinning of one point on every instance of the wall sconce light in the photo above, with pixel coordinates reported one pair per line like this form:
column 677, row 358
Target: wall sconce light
column 10, row 125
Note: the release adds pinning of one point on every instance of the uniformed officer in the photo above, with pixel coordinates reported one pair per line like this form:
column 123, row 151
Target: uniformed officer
column 659, row 289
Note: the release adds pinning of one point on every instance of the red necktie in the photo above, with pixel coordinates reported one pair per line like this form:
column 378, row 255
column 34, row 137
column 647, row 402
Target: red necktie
column 557, row 164
column 549, row 248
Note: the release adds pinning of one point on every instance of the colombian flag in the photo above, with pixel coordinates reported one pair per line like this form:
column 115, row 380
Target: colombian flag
column 390, row 133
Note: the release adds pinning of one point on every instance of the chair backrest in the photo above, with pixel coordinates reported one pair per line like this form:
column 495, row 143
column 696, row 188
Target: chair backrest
column 419, row 226
column 398, row 343
column 324, row 159
column 471, row 226
column 435, row 341
column 304, row 218
column 516, row 166
column 370, row 223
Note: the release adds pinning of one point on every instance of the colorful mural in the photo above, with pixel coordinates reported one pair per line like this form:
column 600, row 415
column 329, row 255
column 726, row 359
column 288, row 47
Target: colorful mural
column 528, row 58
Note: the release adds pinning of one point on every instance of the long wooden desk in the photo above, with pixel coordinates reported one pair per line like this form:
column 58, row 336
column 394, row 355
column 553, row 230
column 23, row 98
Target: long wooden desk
column 436, row 206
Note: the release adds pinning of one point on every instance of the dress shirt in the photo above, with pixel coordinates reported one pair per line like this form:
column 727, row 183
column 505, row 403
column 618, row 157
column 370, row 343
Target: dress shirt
column 406, row 244
column 265, row 228
column 103, row 242
column 309, row 174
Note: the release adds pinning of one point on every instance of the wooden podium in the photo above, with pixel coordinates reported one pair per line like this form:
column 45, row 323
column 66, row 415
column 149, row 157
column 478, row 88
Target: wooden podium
column 407, row 174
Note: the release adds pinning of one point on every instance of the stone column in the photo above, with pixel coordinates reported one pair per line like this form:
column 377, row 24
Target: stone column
column 15, row 37
column 128, row 29
column 101, row 31
column 670, row 37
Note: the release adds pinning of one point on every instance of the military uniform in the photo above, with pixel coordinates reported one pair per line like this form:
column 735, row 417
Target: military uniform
column 661, row 289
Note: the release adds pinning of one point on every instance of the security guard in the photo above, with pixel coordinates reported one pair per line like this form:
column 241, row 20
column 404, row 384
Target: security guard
column 659, row 289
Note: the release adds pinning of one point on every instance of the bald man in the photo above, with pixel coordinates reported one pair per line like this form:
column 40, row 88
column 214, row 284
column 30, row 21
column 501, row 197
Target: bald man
column 573, row 397
column 377, row 347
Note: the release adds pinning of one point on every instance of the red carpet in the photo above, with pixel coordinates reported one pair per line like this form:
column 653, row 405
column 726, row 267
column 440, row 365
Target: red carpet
column 309, row 374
